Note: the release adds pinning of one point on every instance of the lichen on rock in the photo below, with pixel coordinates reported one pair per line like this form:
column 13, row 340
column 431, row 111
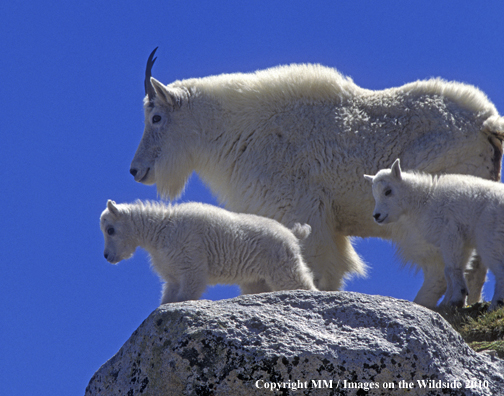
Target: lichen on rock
column 297, row 342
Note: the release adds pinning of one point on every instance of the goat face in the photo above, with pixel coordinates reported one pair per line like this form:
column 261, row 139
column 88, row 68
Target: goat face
column 143, row 164
column 119, row 244
column 387, row 194
column 164, row 155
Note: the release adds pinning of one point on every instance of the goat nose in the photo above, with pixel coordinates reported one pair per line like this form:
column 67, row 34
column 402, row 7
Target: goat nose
column 377, row 216
column 133, row 171
column 105, row 255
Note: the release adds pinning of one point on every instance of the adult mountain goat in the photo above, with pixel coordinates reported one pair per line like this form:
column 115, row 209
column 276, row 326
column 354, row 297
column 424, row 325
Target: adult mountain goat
column 292, row 143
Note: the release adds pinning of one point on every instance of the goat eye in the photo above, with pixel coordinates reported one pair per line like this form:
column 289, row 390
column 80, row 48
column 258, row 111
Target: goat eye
column 111, row 231
column 388, row 192
column 156, row 119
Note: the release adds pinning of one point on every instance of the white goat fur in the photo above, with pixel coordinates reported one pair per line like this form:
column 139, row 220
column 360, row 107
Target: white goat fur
column 455, row 213
column 292, row 142
column 192, row 245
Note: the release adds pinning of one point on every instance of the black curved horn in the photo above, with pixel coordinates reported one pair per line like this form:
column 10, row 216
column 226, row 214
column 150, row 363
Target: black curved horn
column 149, row 89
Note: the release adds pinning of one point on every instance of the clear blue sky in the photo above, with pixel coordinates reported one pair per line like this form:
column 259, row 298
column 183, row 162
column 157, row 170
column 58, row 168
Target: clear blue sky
column 71, row 119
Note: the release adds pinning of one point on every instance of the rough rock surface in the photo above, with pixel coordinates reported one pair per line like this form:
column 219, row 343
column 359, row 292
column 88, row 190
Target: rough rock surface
column 299, row 343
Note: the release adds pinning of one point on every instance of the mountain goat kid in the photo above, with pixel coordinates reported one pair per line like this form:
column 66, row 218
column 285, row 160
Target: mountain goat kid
column 455, row 213
column 292, row 142
column 192, row 245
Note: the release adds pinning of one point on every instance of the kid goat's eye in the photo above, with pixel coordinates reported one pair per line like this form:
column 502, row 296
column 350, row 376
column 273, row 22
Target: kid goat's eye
column 388, row 192
column 110, row 231
column 156, row 119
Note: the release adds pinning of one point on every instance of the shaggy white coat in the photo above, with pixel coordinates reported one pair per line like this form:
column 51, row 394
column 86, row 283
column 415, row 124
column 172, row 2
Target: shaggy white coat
column 292, row 142
column 455, row 213
column 192, row 245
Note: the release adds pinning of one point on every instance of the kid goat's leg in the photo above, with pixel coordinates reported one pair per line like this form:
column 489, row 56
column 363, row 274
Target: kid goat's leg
column 170, row 291
column 434, row 284
column 496, row 265
column 455, row 256
column 475, row 275
column 192, row 285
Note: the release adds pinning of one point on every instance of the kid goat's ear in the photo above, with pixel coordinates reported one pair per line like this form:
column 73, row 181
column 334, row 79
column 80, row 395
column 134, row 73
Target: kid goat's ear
column 111, row 206
column 396, row 169
column 369, row 177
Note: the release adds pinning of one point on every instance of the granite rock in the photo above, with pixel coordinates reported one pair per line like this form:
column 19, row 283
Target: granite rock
column 299, row 343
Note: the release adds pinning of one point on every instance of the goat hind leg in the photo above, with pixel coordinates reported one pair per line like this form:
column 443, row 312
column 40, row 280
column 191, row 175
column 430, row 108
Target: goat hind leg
column 433, row 287
column 455, row 256
column 475, row 275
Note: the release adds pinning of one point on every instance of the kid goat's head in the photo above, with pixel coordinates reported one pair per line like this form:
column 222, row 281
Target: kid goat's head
column 386, row 188
column 117, row 233
column 165, row 149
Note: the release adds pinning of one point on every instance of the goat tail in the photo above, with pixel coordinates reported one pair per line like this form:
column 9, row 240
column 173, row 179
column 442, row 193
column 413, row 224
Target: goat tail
column 301, row 231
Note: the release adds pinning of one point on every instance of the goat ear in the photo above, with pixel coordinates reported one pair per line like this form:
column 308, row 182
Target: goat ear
column 369, row 177
column 396, row 169
column 111, row 206
column 163, row 93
